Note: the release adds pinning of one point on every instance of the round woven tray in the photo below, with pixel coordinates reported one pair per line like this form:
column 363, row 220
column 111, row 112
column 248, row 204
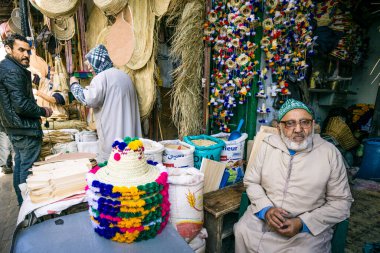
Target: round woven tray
column 63, row 28
column 56, row 8
column 15, row 21
column 111, row 7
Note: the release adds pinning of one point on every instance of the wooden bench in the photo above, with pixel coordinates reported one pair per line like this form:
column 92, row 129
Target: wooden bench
column 221, row 210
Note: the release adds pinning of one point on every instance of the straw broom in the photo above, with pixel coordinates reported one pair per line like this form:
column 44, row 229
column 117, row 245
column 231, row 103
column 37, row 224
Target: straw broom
column 187, row 47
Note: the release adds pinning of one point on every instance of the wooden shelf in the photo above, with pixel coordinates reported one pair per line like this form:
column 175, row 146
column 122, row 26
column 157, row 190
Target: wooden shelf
column 331, row 91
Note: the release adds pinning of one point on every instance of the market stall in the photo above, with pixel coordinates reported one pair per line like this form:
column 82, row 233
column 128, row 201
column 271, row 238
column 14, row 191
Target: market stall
column 199, row 69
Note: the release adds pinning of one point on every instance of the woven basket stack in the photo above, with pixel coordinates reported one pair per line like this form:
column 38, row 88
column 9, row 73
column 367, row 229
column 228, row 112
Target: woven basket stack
column 338, row 129
column 54, row 141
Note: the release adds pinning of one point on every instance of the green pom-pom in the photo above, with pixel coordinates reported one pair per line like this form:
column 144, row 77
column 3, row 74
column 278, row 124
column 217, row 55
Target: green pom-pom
column 127, row 140
column 102, row 164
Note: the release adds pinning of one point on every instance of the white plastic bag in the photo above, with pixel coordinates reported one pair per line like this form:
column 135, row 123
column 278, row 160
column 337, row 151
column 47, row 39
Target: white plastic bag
column 177, row 158
column 186, row 198
column 153, row 150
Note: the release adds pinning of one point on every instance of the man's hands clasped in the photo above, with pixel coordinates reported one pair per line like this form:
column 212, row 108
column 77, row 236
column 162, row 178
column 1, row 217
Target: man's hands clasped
column 277, row 218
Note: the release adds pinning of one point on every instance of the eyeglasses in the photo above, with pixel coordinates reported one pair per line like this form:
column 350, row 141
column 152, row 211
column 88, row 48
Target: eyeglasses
column 304, row 123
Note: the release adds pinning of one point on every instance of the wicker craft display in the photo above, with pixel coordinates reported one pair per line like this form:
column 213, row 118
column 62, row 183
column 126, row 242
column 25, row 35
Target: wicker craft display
column 339, row 130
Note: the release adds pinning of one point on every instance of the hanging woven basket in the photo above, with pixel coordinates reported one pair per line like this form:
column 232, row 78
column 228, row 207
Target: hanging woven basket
column 63, row 28
column 15, row 21
column 56, row 8
column 338, row 129
column 111, row 7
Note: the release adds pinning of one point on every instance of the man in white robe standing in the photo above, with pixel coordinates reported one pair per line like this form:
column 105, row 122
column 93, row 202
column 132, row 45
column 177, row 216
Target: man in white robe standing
column 298, row 188
column 112, row 95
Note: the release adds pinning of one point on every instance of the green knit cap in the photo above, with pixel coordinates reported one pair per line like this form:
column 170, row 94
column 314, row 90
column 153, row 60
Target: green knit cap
column 292, row 104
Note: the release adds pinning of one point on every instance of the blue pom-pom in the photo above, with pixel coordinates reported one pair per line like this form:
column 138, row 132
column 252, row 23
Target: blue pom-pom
column 152, row 162
column 122, row 145
column 115, row 143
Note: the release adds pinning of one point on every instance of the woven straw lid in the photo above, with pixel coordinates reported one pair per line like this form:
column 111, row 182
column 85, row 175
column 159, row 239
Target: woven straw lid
column 120, row 40
column 128, row 171
column 15, row 21
column 63, row 28
column 111, row 7
column 160, row 7
column 55, row 8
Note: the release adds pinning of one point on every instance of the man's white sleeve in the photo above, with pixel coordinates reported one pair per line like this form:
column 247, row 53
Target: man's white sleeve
column 252, row 181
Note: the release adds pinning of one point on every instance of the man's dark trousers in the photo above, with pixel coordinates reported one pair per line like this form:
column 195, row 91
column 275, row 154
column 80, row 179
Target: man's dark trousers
column 27, row 151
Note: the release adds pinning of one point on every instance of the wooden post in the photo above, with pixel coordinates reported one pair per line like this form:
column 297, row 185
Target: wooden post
column 206, row 76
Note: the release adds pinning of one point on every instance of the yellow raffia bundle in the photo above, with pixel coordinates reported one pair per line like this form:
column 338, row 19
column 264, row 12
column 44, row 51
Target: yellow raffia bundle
column 176, row 8
column 187, row 48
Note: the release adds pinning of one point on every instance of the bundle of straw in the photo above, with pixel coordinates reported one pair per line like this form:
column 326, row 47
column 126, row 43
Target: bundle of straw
column 338, row 129
column 188, row 49
column 68, row 124
column 55, row 137
column 46, row 150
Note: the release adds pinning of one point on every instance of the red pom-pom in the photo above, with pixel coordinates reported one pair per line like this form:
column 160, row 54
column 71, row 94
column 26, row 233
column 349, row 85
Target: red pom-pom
column 116, row 156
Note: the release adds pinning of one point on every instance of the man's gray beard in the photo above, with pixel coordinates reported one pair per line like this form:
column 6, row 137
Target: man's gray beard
column 308, row 142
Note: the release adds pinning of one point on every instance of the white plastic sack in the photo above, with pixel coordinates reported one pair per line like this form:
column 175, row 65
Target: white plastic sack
column 178, row 158
column 68, row 147
column 86, row 136
column 88, row 147
column 153, row 150
column 198, row 244
column 186, row 198
column 232, row 155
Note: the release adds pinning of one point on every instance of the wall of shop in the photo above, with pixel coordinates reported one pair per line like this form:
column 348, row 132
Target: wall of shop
column 361, row 79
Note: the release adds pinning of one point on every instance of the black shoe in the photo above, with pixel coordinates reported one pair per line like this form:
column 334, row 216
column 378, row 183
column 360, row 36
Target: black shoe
column 7, row 170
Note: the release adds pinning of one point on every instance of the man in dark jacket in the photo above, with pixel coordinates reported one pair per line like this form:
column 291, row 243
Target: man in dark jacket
column 19, row 112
